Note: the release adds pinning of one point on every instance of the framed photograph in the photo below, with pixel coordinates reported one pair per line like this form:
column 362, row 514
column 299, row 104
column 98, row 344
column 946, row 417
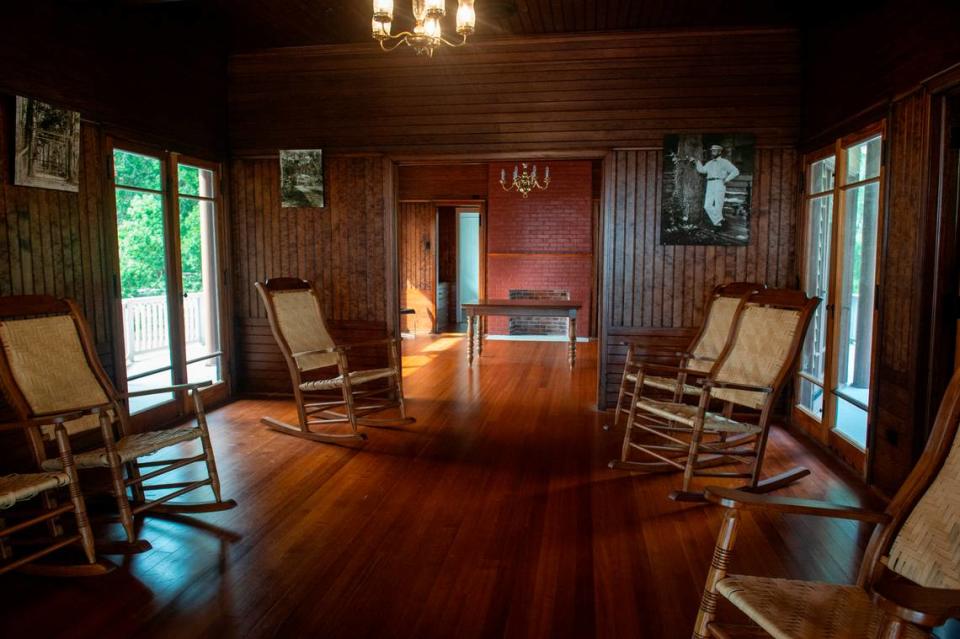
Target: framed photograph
column 47, row 146
column 707, row 188
column 301, row 179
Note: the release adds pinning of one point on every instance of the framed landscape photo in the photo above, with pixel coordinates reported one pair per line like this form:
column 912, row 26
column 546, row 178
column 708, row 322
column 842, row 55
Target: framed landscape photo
column 707, row 189
column 301, row 179
column 47, row 142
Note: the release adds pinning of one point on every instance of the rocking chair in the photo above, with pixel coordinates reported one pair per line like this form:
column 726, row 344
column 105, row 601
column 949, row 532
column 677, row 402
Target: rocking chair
column 23, row 487
column 703, row 351
column 768, row 331
column 909, row 579
column 323, row 384
column 49, row 365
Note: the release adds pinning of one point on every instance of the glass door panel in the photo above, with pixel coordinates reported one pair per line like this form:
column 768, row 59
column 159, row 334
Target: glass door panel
column 200, row 284
column 856, row 305
column 144, row 292
column 817, row 282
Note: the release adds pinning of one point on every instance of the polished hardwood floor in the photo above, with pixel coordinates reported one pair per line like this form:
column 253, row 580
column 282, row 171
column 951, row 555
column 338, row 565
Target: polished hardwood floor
column 493, row 516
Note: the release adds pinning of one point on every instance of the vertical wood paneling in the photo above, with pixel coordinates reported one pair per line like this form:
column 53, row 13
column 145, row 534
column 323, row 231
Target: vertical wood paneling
column 418, row 264
column 341, row 248
column 650, row 287
column 899, row 341
column 51, row 241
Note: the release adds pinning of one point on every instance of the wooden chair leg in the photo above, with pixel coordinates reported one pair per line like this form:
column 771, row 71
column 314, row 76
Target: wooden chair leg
column 50, row 503
column 695, row 438
column 623, row 387
column 133, row 471
column 718, row 570
column 206, row 445
column 347, row 390
column 116, row 477
column 631, row 416
column 79, row 506
column 396, row 355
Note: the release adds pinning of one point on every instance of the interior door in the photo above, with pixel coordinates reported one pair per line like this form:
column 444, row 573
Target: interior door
column 468, row 259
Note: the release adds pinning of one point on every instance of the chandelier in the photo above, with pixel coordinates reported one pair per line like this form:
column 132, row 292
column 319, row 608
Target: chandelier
column 524, row 181
column 427, row 32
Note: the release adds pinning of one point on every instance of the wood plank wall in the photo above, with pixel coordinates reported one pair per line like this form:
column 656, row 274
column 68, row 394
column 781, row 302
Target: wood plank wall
column 52, row 242
column 547, row 94
column 656, row 293
column 418, row 264
column 344, row 248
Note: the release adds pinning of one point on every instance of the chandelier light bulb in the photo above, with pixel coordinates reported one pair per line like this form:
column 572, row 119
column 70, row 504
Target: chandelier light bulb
column 427, row 33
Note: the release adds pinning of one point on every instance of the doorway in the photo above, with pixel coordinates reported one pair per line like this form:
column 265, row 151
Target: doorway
column 468, row 259
column 168, row 281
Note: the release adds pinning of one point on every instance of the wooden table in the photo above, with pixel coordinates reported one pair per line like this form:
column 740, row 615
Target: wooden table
column 476, row 322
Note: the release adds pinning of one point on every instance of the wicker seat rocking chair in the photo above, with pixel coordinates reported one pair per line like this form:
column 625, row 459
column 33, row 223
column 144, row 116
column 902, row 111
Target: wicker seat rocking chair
column 909, row 580
column 324, row 387
column 27, row 486
column 763, row 345
column 703, row 351
column 49, row 365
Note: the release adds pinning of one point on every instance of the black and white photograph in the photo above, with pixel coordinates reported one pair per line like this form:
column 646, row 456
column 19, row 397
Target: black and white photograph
column 47, row 146
column 301, row 179
column 707, row 184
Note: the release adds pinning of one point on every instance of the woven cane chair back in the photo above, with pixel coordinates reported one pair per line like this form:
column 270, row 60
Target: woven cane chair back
column 721, row 312
column 299, row 320
column 763, row 348
column 927, row 548
column 46, row 360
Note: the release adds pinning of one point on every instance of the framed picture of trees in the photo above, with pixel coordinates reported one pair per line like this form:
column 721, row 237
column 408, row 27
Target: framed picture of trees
column 48, row 146
column 301, row 179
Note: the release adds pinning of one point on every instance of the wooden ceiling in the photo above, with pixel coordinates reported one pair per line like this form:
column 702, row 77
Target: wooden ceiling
column 263, row 24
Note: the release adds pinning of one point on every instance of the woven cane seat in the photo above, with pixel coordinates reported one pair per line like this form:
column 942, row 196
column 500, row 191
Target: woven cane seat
column 791, row 609
column 684, row 414
column 131, row 447
column 14, row 488
column 356, row 378
column 664, row 383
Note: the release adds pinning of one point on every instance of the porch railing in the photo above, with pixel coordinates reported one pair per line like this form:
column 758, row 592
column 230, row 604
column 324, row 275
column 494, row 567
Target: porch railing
column 146, row 329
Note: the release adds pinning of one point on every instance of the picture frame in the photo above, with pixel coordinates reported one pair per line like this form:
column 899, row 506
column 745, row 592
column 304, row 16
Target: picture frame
column 301, row 179
column 47, row 141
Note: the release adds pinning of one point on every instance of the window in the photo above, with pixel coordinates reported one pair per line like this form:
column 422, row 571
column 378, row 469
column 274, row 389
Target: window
column 168, row 276
column 841, row 229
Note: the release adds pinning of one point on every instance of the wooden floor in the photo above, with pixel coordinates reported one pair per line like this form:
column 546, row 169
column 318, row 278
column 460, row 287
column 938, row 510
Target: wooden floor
column 493, row 516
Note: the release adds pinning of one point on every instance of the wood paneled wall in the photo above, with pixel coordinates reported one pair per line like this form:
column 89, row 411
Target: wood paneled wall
column 54, row 242
column 543, row 95
column 418, row 264
column 655, row 291
column 346, row 249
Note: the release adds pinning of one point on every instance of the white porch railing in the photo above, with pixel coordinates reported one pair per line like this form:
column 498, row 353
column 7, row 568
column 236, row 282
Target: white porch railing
column 145, row 326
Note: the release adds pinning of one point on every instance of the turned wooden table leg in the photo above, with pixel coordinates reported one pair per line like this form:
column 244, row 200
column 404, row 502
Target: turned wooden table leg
column 572, row 330
column 481, row 329
column 470, row 331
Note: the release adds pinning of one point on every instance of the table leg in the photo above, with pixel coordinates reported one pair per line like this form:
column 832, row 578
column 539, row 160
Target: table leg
column 481, row 329
column 572, row 330
column 470, row 329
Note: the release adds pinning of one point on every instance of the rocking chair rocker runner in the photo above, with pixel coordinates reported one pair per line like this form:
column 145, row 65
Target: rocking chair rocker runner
column 24, row 487
column 49, row 365
column 703, row 351
column 909, row 579
column 323, row 384
column 768, row 331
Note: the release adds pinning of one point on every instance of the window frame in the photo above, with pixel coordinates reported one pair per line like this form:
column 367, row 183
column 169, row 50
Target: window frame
column 824, row 429
column 182, row 405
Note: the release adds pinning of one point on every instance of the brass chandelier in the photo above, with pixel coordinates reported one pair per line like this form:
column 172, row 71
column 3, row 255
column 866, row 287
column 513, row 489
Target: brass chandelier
column 524, row 181
column 427, row 34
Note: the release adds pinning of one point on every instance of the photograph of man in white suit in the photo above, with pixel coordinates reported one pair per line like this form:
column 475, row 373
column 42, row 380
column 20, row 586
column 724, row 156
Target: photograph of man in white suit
column 719, row 172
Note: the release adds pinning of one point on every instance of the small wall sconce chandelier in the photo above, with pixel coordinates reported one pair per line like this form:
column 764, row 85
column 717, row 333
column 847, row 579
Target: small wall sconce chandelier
column 524, row 181
column 427, row 32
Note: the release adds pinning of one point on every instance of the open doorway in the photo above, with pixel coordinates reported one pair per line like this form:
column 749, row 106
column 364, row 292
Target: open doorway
column 468, row 259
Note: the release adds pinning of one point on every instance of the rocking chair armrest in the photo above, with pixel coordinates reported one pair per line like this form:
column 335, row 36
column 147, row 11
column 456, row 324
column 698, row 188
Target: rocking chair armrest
column 370, row 342
column 672, row 369
column 319, row 351
column 52, row 418
column 916, row 604
column 743, row 500
column 167, row 389
column 713, row 383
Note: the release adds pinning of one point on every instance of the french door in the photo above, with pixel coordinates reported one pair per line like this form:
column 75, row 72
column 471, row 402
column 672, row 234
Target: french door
column 168, row 281
column 843, row 186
